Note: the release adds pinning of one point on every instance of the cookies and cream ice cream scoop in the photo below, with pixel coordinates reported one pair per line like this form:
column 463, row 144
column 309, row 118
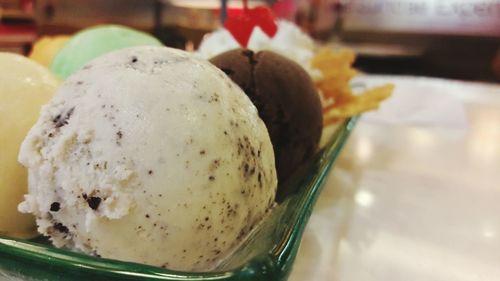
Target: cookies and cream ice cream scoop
column 149, row 155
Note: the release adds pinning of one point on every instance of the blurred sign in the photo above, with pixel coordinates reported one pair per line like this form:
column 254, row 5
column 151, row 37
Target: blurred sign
column 460, row 17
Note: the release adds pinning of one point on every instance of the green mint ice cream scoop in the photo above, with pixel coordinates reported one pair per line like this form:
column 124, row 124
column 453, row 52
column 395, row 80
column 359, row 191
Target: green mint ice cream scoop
column 95, row 41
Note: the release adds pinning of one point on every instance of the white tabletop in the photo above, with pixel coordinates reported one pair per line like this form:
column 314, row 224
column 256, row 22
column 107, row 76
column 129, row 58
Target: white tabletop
column 415, row 195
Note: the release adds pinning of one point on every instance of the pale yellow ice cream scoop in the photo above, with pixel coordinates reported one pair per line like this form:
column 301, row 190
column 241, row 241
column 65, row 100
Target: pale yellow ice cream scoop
column 24, row 87
column 47, row 47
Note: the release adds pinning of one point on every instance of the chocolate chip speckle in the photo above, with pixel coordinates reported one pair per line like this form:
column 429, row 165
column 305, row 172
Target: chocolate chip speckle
column 55, row 206
column 94, row 202
column 61, row 228
column 62, row 119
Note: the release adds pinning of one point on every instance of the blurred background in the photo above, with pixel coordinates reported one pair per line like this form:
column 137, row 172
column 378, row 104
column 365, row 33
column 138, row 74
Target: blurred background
column 457, row 39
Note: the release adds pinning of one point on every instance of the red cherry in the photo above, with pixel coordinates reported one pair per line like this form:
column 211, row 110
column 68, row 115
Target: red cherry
column 242, row 25
column 264, row 18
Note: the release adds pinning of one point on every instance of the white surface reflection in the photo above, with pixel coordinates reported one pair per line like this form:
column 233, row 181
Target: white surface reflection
column 395, row 257
column 424, row 191
column 364, row 198
column 421, row 138
column 489, row 231
column 485, row 134
column 364, row 149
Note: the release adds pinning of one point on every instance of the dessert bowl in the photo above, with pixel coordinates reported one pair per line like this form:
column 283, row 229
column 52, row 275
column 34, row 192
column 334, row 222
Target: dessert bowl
column 267, row 254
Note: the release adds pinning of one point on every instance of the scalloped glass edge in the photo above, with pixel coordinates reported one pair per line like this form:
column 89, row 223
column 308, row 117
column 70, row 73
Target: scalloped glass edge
column 268, row 254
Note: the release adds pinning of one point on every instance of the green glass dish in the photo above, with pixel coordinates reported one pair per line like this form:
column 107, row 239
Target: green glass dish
column 268, row 253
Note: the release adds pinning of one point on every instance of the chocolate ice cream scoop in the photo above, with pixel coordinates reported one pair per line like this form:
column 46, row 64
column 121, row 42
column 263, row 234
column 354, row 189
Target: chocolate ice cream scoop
column 286, row 99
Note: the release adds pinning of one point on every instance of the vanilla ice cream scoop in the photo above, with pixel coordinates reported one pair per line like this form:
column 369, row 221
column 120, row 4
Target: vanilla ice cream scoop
column 24, row 87
column 149, row 155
